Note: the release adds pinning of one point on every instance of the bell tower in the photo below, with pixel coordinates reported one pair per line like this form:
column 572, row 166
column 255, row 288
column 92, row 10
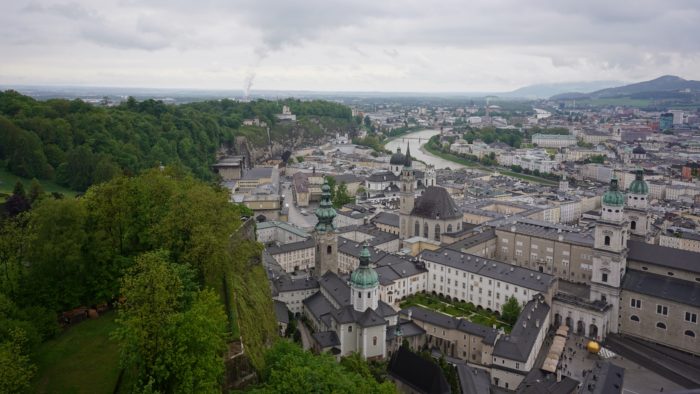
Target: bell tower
column 364, row 284
column 637, row 205
column 407, row 195
column 610, row 252
column 325, row 234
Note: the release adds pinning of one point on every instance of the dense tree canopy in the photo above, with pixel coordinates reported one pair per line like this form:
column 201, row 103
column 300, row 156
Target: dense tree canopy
column 290, row 369
column 162, row 229
column 77, row 144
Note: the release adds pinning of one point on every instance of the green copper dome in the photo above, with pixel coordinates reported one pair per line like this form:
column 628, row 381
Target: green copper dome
column 638, row 185
column 325, row 212
column 614, row 196
column 364, row 276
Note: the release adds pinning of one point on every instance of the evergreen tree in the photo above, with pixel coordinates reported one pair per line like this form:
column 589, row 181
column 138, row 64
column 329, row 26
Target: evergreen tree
column 510, row 311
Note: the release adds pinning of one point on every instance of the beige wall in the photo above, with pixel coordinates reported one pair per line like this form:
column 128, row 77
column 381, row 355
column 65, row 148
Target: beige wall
column 567, row 261
column 454, row 342
column 676, row 326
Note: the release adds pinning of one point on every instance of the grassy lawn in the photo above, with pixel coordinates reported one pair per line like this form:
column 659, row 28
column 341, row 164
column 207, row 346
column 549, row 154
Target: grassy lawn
column 8, row 180
column 81, row 360
column 456, row 309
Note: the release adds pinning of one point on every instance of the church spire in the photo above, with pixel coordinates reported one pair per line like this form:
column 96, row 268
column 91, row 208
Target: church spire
column 325, row 212
column 407, row 160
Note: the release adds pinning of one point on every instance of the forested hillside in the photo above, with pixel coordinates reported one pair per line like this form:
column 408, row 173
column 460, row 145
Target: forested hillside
column 77, row 144
column 163, row 246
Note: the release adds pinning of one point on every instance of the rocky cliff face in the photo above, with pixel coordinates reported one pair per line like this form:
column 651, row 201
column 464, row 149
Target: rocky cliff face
column 296, row 137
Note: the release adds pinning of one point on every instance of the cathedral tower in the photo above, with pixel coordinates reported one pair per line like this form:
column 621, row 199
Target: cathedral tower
column 637, row 205
column 610, row 252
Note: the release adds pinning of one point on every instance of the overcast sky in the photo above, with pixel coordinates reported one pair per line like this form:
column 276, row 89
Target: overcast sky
column 354, row 45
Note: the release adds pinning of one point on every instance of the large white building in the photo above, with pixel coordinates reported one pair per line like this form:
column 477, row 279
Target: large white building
column 554, row 140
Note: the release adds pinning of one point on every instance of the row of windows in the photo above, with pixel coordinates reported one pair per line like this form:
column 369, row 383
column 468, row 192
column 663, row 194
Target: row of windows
column 662, row 326
column 663, row 310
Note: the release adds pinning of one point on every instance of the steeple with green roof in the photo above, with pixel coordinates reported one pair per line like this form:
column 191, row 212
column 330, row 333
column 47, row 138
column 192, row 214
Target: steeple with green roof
column 364, row 276
column 325, row 212
column 614, row 196
column 639, row 185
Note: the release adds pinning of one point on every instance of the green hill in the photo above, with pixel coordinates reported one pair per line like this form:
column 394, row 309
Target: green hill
column 75, row 144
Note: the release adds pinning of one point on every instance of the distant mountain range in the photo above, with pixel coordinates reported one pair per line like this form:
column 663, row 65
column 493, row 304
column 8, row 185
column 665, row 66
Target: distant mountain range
column 545, row 90
column 667, row 86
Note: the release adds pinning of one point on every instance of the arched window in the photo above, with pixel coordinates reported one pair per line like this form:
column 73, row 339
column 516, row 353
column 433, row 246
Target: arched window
column 437, row 232
column 634, row 318
column 329, row 249
column 633, row 225
column 449, row 228
column 417, row 229
column 661, row 325
column 607, row 240
column 690, row 333
column 425, row 229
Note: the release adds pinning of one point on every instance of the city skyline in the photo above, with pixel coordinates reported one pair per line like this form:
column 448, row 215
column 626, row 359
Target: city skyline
column 358, row 46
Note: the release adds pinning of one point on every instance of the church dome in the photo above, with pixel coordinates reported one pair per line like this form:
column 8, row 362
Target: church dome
column 436, row 203
column 364, row 276
column 638, row 150
column 398, row 158
column 639, row 185
column 614, row 196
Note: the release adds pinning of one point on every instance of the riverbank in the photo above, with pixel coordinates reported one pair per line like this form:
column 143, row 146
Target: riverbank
column 471, row 164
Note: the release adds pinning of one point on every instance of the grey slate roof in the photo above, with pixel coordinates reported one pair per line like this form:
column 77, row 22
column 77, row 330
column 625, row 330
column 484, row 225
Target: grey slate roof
column 664, row 256
column 665, row 287
column 473, row 380
column 326, row 339
column 285, row 283
column 258, row 172
column 353, row 248
column 387, row 218
column 449, row 322
column 436, row 202
column 538, row 381
column 385, row 176
column 518, row 345
column 336, row 287
column 281, row 312
column 497, row 270
column 475, row 239
column 408, row 329
column 391, row 267
column 318, row 305
column 370, row 318
column 308, row 243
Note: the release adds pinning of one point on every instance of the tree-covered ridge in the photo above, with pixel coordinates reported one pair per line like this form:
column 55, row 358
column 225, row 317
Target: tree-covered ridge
column 77, row 144
column 162, row 228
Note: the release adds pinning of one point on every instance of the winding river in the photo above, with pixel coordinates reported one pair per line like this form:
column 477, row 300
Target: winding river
column 412, row 139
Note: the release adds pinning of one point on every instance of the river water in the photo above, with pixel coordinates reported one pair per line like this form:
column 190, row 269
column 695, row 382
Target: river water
column 412, row 139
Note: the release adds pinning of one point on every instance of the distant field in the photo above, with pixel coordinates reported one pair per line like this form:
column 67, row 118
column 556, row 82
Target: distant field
column 81, row 360
column 8, row 180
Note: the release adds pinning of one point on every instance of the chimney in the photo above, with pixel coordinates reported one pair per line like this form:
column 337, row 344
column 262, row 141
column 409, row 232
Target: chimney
column 410, row 315
column 524, row 324
column 537, row 323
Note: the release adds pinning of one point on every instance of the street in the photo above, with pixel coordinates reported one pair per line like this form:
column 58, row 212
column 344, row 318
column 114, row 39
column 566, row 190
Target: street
column 295, row 217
